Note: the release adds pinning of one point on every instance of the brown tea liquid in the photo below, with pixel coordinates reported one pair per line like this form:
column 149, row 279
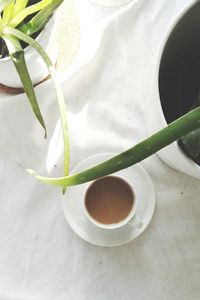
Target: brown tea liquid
column 109, row 200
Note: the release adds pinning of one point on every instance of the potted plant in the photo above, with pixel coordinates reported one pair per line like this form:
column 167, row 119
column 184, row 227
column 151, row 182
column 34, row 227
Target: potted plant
column 35, row 65
column 21, row 21
column 183, row 127
column 176, row 88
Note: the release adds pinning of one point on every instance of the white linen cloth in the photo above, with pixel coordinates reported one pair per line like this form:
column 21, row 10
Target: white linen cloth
column 107, row 88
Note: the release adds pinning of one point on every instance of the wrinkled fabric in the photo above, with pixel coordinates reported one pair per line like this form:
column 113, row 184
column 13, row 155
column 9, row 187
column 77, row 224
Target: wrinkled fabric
column 107, row 90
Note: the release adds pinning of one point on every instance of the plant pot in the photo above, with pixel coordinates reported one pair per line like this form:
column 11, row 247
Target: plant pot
column 177, row 82
column 37, row 69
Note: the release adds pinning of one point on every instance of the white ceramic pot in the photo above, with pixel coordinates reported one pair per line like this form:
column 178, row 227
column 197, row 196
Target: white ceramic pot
column 37, row 69
column 182, row 36
column 110, row 2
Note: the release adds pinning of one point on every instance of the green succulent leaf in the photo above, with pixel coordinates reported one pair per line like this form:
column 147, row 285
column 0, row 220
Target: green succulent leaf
column 60, row 97
column 137, row 153
column 1, row 22
column 19, row 5
column 28, row 11
column 42, row 17
column 4, row 3
column 17, row 55
column 8, row 13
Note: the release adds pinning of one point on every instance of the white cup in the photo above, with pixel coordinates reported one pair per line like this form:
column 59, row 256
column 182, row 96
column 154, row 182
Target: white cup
column 110, row 2
column 131, row 219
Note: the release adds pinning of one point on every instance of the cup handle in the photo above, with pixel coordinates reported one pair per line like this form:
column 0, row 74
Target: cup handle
column 135, row 222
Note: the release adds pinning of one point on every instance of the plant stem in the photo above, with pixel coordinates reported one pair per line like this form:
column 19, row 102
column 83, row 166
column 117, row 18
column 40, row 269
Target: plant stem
column 137, row 153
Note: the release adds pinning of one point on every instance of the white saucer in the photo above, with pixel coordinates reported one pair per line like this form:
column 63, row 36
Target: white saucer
column 72, row 205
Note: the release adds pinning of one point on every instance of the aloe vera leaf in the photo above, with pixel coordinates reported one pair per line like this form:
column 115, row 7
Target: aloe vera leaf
column 1, row 23
column 8, row 13
column 28, row 11
column 19, row 5
column 137, row 153
column 17, row 55
column 42, row 17
column 4, row 3
column 58, row 89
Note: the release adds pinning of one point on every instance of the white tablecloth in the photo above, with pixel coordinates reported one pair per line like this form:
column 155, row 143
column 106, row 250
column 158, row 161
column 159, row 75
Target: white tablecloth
column 107, row 88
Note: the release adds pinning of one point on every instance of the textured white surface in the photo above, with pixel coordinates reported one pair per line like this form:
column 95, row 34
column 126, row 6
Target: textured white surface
column 68, row 34
column 40, row 257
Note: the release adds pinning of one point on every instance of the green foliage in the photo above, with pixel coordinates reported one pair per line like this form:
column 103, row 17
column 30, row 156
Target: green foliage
column 20, row 5
column 22, row 14
column 137, row 153
column 61, row 101
column 40, row 19
column 4, row 3
column 14, row 14
column 13, row 29
column 20, row 65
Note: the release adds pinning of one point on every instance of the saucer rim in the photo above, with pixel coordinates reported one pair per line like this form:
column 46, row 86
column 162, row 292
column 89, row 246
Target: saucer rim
column 149, row 210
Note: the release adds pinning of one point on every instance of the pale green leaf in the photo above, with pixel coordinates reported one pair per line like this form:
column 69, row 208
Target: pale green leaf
column 58, row 89
column 8, row 13
column 4, row 3
column 133, row 155
column 40, row 19
column 19, row 5
column 28, row 11
column 17, row 55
